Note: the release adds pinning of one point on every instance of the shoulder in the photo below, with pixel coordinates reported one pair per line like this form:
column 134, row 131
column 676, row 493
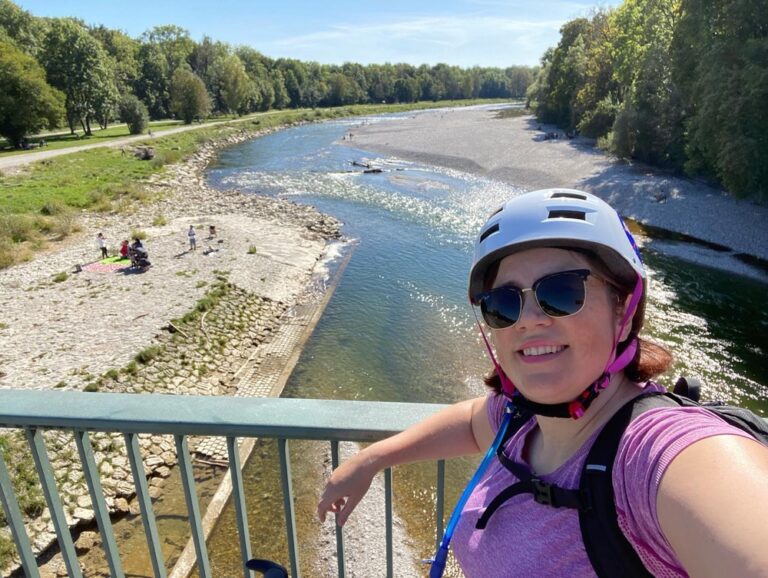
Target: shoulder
column 656, row 437
column 650, row 444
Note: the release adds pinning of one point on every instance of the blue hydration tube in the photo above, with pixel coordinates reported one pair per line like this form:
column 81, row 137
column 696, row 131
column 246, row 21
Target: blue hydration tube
column 441, row 556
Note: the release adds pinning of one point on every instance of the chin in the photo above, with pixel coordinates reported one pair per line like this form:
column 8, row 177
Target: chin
column 549, row 391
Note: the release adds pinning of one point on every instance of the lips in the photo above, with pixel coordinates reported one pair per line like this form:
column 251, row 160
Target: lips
column 540, row 350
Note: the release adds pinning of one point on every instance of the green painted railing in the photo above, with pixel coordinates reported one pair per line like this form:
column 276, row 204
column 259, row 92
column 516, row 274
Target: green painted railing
column 181, row 416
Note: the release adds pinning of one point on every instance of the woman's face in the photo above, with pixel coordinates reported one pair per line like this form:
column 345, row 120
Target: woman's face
column 552, row 360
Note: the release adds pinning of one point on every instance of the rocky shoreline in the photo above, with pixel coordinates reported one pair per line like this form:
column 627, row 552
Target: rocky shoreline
column 185, row 326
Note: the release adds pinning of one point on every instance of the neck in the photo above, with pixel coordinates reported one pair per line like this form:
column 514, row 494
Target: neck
column 557, row 439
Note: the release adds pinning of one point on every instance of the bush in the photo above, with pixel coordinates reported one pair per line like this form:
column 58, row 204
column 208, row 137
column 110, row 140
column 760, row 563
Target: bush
column 54, row 207
column 134, row 114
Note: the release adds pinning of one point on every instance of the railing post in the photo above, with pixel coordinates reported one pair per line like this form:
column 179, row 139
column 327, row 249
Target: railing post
column 193, row 508
column 440, row 509
column 239, row 498
column 91, row 472
column 290, row 517
column 388, row 514
column 15, row 520
column 51, row 492
column 142, row 494
column 340, row 557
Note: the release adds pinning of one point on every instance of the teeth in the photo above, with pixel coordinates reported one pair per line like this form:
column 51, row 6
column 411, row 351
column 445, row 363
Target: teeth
column 544, row 350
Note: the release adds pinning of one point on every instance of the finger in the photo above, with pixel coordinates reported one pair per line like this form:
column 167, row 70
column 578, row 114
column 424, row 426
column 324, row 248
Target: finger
column 346, row 510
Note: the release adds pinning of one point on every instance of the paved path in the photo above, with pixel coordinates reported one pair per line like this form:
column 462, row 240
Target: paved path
column 15, row 161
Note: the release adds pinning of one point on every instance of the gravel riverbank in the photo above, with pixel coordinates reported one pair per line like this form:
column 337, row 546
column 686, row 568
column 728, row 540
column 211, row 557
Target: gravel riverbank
column 186, row 325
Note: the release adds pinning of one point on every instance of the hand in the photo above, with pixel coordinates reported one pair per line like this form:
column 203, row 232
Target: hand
column 346, row 487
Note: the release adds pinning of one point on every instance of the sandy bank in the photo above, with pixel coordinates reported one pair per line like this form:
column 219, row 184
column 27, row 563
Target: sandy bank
column 514, row 151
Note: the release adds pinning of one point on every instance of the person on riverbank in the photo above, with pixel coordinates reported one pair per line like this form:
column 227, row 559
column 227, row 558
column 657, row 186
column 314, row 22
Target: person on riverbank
column 192, row 235
column 561, row 288
column 102, row 243
column 124, row 249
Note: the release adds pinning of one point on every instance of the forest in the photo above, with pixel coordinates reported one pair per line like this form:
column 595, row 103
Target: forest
column 681, row 84
column 62, row 72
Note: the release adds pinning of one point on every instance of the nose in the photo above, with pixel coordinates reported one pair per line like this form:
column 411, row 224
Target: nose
column 530, row 313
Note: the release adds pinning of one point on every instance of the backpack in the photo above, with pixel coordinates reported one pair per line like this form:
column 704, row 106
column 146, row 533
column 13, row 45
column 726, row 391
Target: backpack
column 609, row 551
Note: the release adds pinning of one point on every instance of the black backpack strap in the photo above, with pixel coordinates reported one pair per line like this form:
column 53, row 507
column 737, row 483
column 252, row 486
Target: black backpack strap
column 609, row 551
column 543, row 492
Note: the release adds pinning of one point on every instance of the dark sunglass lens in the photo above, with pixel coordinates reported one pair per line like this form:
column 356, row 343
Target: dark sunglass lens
column 501, row 307
column 561, row 295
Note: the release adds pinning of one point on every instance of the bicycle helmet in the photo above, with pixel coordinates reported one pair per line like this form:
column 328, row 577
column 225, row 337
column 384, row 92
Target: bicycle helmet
column 566, row 219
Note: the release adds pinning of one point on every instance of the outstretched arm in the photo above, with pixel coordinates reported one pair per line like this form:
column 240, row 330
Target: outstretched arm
column 713, row 507
column 458, row 430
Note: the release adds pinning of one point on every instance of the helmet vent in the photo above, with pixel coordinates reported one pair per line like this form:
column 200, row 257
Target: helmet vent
column 567, row 215
column 568, row 196
column 489, row 231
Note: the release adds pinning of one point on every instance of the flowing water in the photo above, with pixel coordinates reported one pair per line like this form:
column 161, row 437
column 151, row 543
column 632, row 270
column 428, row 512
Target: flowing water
column 398, row 327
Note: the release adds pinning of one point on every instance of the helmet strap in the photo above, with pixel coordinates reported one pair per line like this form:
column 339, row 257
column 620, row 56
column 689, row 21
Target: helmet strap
column 577, row 407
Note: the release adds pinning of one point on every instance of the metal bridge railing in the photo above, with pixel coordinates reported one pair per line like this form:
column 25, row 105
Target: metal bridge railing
column 182, row 416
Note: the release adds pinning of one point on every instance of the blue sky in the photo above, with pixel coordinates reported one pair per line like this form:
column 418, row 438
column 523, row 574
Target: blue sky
column 465, row 33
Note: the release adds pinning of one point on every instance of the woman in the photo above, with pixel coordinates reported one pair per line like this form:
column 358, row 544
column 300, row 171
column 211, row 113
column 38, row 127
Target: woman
column 561, row 287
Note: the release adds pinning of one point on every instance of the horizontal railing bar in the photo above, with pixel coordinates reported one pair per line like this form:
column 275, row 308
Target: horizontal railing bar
column 312, row 419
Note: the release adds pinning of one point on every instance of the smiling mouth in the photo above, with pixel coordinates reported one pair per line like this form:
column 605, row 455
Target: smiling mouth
column 543, row 350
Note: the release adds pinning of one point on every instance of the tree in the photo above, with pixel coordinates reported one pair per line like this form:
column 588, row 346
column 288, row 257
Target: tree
column 21, row 29
column 282, row 99
column 189, row 99
column 649, row 121
column 721, row 66
column 257, row 68
column 77, row 65
column 134, row 114
column 123, row 54
column 27, row 102
column 173, row 42
column 235, row 85
column 153, row 84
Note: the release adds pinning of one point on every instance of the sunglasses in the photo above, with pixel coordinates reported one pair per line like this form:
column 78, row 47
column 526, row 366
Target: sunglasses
column 558, row 295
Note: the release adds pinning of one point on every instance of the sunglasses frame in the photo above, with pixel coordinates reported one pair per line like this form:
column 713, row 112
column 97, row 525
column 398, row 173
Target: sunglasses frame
column 584, row 274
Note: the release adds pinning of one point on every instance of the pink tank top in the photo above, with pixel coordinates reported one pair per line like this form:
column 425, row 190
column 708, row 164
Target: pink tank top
column 527, row 539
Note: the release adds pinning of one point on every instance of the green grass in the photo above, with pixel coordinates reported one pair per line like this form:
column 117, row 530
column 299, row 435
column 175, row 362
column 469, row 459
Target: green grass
column 146, row 355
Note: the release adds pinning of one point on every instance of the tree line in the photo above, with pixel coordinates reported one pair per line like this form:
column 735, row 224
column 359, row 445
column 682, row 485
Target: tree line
column 677, row 83
column 59, row 71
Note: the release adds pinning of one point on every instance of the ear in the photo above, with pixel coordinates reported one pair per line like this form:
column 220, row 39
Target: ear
column 620, row 312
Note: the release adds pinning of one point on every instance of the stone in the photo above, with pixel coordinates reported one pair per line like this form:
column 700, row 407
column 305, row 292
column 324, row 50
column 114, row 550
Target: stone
column 121, row 505
column 85, row 542
column 83, row 514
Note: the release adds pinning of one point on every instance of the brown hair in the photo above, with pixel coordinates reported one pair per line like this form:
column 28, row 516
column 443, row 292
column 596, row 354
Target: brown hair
column 650, row 360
